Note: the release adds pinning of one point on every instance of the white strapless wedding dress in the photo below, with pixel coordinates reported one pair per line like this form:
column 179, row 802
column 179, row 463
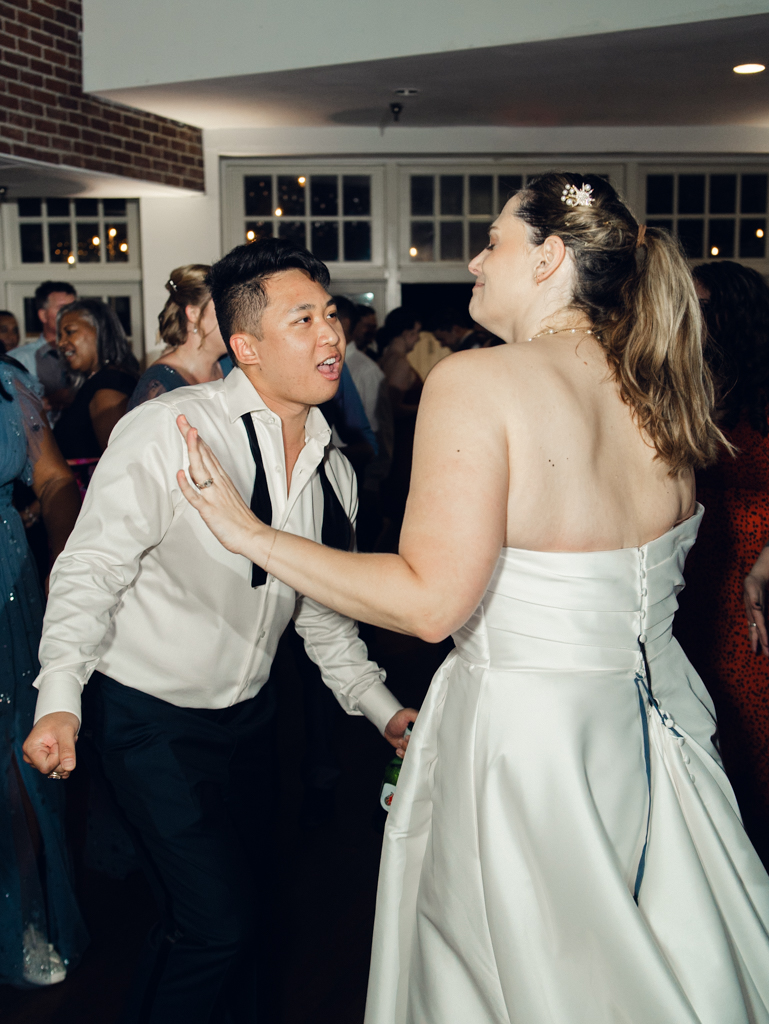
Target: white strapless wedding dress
column 564, row 848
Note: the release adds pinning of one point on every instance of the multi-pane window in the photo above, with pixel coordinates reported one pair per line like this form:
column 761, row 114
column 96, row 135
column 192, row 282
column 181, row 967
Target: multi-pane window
column 73, row 231
column 716, row 215
column 328, row 213
column 450, row 214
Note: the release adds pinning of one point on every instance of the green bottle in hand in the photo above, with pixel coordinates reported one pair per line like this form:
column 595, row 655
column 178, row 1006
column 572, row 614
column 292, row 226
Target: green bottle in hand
column 390, row 781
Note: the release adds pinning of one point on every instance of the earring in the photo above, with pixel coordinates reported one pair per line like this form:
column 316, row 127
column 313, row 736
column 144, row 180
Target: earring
column 194, row 330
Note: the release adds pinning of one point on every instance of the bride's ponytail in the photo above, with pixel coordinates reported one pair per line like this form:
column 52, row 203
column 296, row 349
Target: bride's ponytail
column 636, row 287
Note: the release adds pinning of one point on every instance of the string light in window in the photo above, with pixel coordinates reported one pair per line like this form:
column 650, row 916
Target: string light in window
column 413, row 251
column 250, row 235
column 759, row 233
column 714, row 250
column 302, row 180
column 70, row 260
column 124, row 246
column 96, row 240
column 112, row 232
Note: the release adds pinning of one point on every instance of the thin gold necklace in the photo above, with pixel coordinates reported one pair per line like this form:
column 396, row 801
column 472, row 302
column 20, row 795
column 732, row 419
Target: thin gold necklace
column 564, row 330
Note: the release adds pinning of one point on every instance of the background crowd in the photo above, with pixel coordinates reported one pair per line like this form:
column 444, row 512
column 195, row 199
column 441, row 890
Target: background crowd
column 62, row 393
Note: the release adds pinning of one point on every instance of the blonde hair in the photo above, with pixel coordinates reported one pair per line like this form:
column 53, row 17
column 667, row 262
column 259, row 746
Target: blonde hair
column 186, row 287
column 638, row 292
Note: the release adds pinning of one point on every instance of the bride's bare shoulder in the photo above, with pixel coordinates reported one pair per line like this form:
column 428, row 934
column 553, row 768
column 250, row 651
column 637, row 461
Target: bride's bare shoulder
column 481, row 372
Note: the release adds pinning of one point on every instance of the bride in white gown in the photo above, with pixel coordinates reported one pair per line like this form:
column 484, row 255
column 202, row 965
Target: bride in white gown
column 563, row 846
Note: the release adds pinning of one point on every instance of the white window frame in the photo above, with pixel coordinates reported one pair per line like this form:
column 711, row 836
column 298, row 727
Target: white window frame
column 234, row 218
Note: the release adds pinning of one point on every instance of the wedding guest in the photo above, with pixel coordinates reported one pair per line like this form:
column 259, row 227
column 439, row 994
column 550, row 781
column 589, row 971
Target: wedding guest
column 364, row 332
column 9, row 331
column 371, row 384
column 190, row 332
column 397, row 338
column 735, row 493
column 42, row 357
column 93, row 343
column 179, row 637
column 41, row 930
column 457, row 331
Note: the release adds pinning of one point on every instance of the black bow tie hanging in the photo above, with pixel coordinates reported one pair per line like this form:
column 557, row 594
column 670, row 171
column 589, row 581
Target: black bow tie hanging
column 337, row 531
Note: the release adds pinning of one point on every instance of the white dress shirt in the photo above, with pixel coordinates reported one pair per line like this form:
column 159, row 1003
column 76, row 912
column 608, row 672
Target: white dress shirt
column 368, row 380
column 145, row 593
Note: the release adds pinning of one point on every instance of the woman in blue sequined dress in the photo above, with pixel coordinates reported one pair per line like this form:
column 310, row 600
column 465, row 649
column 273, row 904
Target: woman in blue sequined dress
column 41, row 931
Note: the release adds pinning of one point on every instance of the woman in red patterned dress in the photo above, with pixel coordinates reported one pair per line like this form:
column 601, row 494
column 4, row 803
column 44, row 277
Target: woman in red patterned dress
column 712, row 625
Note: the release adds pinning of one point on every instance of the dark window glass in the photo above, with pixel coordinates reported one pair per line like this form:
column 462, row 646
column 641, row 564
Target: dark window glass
column 691, row 193
column 422, row 241
column 59, row 242
column 721, row 237
column 293, row 230
column 479, row 237
column 481, row 189
column 451, row 240
column 88, row 243
column 324, row 201
column 57, row 207
column 753, row 193
column 723, row 193
column 357, row 241
column 87, row 207
column 356, row 193
column 116, row 242
column 422, row 188
column 325, row 240
column 290, row 196
column 659, row 193
column 121, row 304
column 691, row 234
column 258, row 195
column 33, row 207
column 256, row 229
column 753, row 238
column 31, row 243
column 507, row 186
column 452, row 194
column 31, row 319
column 114, row 207
column 667, row 225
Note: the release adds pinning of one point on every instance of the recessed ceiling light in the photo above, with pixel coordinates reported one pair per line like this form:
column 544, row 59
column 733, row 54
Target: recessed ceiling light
column 749, row 69
column 406, row 92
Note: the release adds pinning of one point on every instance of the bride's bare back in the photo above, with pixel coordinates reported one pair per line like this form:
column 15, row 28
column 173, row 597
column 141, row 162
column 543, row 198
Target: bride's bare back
column 582, row 477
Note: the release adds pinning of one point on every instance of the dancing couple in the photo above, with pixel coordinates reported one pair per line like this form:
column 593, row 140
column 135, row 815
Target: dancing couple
column 563, row 845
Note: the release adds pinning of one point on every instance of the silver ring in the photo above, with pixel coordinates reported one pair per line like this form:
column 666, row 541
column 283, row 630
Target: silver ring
column 206, row 483
column 753, row 625
column 55, row 775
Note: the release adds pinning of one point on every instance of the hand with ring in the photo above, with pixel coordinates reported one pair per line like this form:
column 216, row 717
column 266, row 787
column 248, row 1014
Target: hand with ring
column 754, row 594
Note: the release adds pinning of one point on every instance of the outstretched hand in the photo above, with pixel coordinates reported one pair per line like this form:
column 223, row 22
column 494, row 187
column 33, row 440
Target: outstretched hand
column 215, row 497
column 754, row 595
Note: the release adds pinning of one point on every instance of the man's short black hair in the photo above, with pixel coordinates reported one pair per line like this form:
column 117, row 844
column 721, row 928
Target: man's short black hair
column 237, row 281
column 47, row 288
column 347, row 309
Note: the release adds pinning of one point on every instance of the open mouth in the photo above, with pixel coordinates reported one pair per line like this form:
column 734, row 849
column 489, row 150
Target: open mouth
column 331, row 368
column 68, row 353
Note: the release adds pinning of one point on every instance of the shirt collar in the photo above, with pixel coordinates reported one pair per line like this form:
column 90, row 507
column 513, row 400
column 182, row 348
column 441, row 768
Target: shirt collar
column 242, row 397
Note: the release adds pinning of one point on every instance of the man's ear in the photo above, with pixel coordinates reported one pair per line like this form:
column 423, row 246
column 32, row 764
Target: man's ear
column 41, row 315
column 245, row 348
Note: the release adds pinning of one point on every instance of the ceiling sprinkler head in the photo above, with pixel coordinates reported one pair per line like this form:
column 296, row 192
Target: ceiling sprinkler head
column 396, row 109
column 406, row 92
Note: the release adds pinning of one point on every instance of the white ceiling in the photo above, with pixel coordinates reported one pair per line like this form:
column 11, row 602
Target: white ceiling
column 675, row 75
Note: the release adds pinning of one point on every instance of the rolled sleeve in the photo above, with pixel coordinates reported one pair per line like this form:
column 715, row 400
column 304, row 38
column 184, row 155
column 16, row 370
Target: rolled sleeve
column 332, row 642
column 127, row 510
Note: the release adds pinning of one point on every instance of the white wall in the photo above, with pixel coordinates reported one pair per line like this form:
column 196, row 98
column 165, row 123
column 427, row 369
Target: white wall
column 175, row 231
column 147, row 42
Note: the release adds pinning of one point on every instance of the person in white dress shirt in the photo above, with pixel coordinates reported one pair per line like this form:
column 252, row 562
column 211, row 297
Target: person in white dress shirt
column 178, row 636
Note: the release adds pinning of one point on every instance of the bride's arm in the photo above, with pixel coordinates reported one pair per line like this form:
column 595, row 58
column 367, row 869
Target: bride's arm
column 452, row 533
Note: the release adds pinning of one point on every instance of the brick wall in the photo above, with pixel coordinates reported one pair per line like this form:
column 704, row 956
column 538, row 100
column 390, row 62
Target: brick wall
column 44, row 114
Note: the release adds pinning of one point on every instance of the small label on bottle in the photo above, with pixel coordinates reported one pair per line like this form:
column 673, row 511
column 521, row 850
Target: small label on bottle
column 387, row 794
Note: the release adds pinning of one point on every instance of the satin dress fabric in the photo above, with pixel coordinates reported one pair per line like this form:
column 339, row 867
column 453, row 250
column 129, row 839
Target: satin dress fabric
column 563, row 846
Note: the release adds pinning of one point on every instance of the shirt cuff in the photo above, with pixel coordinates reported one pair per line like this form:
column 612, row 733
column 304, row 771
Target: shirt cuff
column 379, row 705
column 58, row 693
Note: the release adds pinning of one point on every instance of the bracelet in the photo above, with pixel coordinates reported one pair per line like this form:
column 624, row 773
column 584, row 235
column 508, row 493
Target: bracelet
column 269, row 553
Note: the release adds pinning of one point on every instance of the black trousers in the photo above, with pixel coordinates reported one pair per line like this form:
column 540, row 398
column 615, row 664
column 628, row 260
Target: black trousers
column 197, row 788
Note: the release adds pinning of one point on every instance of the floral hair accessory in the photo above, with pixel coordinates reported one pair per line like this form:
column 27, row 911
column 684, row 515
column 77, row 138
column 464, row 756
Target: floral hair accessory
column 574, row 196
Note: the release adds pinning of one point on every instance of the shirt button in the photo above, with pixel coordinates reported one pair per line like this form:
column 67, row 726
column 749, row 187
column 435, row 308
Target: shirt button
column 644, row 591
column 642, row 638
column 263, row 634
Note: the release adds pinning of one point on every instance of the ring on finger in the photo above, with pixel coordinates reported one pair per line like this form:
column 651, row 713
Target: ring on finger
column 752, row 625
column 206, row 483
column 55, row 775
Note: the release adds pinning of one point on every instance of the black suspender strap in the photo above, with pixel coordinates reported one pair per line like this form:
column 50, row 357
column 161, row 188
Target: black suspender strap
column 336, row 532
column 261, row 505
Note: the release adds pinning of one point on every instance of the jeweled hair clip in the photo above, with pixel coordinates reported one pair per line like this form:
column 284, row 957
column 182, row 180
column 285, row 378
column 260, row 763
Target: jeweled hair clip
column 574, row 196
